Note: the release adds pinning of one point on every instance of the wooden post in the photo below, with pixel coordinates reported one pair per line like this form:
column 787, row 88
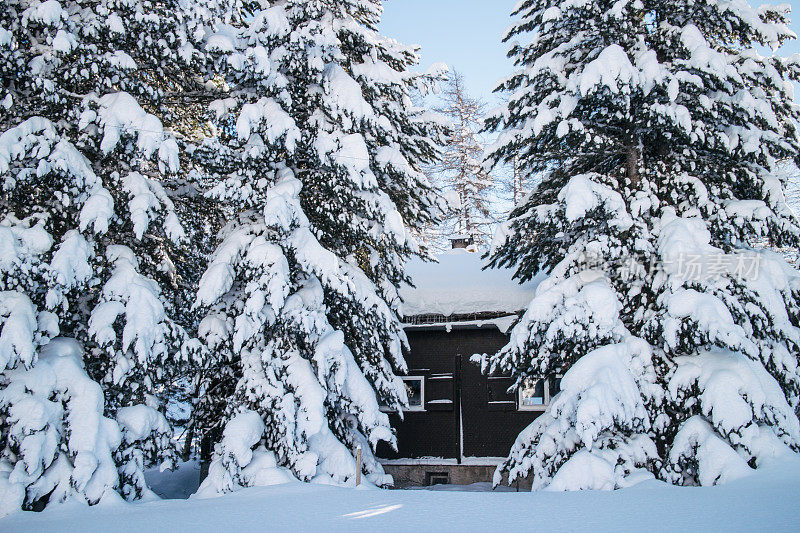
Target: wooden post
column 457, row 405
column 358, row 465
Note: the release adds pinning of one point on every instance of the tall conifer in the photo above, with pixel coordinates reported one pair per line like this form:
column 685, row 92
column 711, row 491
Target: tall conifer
column 658, row 126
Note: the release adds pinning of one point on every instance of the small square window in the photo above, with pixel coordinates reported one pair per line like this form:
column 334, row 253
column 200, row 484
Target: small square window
column 535, row 394
column 532, row 394
column 415, row 390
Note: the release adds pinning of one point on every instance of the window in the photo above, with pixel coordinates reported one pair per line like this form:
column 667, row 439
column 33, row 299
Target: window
column 437, row 478
column 535, row 393
column 415, row 390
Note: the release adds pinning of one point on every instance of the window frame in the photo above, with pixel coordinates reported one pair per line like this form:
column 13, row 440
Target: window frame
column 411, row 408
column 547, row 399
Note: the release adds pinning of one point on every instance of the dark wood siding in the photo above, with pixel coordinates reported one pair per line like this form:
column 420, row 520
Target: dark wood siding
column 488, row 414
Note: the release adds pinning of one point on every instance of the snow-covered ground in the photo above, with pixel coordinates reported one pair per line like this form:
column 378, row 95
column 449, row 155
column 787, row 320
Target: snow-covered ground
column 766, row 501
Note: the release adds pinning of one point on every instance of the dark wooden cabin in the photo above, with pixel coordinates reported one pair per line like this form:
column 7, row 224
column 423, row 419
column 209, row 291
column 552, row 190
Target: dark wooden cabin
column 460, row 423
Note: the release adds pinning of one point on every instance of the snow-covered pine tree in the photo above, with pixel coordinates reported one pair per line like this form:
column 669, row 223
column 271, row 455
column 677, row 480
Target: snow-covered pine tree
column 658, row 126
column 460, row 170
column 317, row 157
column 87, row 228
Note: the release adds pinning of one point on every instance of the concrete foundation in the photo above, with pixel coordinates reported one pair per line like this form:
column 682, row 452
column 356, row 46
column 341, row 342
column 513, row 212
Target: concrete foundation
column 416, row 474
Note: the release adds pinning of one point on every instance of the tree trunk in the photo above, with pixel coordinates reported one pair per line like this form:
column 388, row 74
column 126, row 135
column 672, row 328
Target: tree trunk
column 187, row 444
column 206, row 450
column 632, row 156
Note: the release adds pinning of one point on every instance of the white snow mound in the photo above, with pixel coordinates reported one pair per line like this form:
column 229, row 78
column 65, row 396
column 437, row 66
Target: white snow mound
column 458, row 285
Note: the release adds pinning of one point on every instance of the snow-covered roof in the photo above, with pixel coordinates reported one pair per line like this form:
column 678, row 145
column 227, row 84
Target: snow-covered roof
column 458, row 285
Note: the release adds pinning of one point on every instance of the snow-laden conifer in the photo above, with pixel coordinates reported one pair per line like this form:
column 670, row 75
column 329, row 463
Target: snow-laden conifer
column 87, row 227
column 317, row 157
column 659, row 128
column 241, row 460
column 58, row 445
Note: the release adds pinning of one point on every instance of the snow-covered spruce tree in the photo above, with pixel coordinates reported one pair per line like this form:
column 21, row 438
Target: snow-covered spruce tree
column 658, row 127
column 87, row 228
column 242, row 460
column 460, row 171
column 318, row 157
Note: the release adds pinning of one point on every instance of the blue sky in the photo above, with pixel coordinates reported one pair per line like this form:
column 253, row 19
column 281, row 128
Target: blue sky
column 466, row 35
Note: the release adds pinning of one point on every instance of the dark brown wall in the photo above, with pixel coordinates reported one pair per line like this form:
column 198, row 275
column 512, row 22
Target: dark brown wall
column 489, row 416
